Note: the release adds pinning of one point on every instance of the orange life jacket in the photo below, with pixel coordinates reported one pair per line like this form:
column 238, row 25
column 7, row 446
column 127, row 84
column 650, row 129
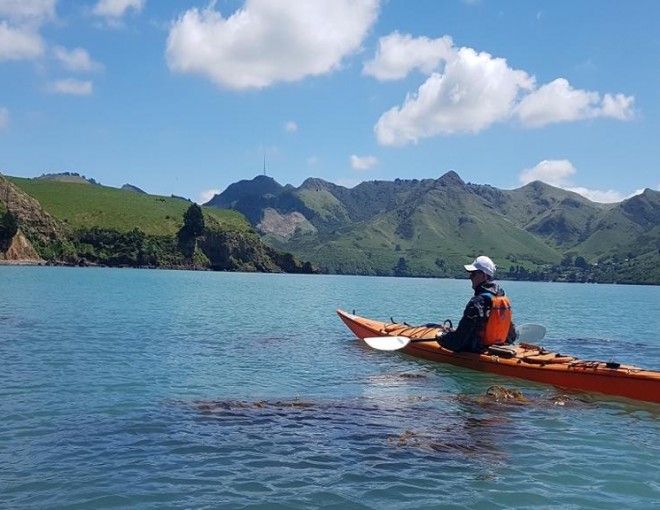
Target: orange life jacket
column 497, row 325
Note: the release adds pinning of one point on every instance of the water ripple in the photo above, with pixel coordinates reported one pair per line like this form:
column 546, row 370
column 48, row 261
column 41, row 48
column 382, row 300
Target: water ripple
column 158, row 390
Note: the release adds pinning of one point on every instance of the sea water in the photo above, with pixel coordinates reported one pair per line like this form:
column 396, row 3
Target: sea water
column 124, row 388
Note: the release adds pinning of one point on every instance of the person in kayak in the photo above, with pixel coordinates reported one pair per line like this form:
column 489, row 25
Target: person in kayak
column 487, row 316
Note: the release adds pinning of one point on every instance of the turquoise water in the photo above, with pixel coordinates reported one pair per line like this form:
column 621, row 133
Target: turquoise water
column 174, row 389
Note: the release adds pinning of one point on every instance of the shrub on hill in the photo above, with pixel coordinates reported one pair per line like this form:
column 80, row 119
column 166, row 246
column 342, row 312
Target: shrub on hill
column 8, row 225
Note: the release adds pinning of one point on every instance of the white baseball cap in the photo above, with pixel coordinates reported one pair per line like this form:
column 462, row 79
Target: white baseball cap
column 482, row 263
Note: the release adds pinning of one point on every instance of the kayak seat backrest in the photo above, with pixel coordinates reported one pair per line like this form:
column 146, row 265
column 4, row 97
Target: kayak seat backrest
column 501, row 351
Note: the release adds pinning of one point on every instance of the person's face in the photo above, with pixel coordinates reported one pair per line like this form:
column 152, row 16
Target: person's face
column 477, row 278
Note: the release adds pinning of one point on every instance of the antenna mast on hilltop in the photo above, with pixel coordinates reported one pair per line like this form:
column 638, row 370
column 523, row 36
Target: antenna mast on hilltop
column 264, row 163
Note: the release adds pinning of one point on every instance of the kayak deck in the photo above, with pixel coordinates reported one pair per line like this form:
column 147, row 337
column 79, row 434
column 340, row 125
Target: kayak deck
column 523, row 361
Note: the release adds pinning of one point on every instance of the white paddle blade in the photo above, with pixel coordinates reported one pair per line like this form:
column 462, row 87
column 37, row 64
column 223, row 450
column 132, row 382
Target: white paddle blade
column 387, row 343
column 530, row 332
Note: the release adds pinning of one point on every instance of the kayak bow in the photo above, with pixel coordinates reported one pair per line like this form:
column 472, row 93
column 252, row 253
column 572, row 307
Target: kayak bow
column 524, row 361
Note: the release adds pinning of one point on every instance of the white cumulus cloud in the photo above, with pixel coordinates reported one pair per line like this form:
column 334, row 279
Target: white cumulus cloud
column 207, row 195
column 20, row 21
column 557, row 101
column 115, row 9
column 4, row 118
column 72, row 87
column 269, row 41
column 363, row 162
column 290, row 126
column 468, row 91
column 602, row 196
column 397, row 55
column 19, row 43
column 34, row 10
column 559, row 173
column 617, row 106
column 474, row 91
column 76, row 59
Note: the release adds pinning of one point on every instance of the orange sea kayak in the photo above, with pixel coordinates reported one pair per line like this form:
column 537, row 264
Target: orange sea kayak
column 524, row 361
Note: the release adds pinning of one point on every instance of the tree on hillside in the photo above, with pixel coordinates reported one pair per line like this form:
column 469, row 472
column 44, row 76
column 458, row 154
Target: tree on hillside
column 581, row 262
column 193, row 223
column 401, row 268
column 8, row 226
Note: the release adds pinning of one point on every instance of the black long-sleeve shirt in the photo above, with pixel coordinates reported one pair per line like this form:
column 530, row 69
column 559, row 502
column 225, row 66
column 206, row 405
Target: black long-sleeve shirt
column 466, row 336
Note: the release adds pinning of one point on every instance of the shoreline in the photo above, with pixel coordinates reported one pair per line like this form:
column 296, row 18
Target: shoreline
column 45, row 263
column 22, row 262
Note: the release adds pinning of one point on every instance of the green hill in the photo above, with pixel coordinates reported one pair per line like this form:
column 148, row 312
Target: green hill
column 432, row 227
column 428, row 227
column 82, row 206
column 627, row 230
column 79, row 222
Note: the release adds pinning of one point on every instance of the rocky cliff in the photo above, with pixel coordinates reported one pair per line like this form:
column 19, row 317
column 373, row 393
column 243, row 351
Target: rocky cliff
column 35, row 225
column 19, row 250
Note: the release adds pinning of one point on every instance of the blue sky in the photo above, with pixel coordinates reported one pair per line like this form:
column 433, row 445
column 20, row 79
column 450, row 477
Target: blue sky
column 186, row 97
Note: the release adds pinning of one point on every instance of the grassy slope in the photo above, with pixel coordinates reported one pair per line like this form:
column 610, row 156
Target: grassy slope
column 431, row 247
column 629, row 230
column 324, row 203
column 85, row 206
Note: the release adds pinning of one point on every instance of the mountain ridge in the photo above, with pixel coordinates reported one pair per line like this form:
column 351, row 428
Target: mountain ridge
column 429, row 227
column 406, row 227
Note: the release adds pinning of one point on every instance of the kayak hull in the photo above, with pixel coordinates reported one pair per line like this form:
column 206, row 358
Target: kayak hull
column 529, row 362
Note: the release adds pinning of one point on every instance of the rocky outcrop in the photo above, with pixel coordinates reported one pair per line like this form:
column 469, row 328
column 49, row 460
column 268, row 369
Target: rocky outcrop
column 19, row 250
column 130, row 187
column 229, row 251
column 36, row 224
column 283, row 224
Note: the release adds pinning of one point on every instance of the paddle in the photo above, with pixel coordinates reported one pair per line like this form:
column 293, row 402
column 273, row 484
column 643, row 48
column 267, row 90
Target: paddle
column 524, row 333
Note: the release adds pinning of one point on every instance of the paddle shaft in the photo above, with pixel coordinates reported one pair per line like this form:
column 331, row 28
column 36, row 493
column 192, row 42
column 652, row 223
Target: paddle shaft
column 536, row 331
column 415, row 340
column 524, row 333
